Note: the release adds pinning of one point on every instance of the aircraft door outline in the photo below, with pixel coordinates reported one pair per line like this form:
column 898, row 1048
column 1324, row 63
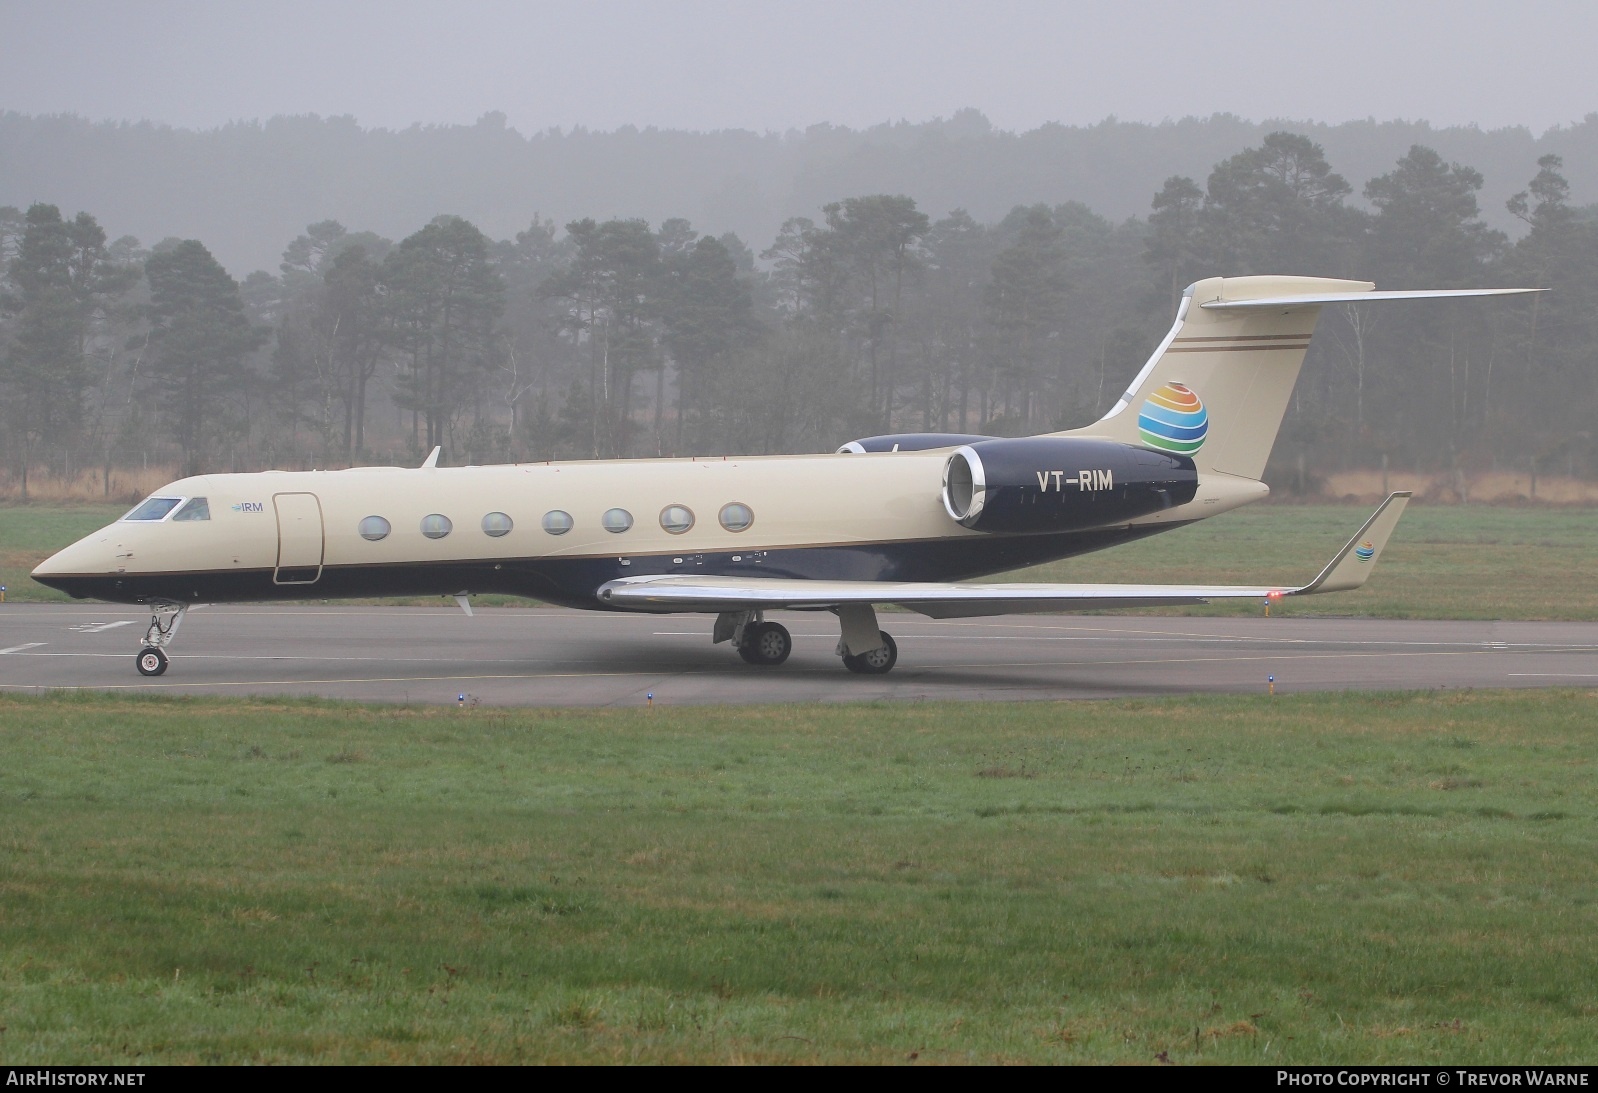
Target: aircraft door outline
column 301, row 540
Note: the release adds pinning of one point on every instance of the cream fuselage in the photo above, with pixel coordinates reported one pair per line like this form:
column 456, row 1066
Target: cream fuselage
column 876, row 517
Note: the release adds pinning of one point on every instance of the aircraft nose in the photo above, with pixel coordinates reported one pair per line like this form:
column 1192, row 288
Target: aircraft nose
column 67, row 569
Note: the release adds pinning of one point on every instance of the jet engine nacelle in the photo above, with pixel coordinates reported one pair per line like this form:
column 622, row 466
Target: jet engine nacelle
column 1061, row 483
column 910, row 442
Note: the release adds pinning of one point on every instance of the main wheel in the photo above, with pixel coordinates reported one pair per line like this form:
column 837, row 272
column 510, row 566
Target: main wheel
column 877, row 662
column 151, row 661
column 766, row 643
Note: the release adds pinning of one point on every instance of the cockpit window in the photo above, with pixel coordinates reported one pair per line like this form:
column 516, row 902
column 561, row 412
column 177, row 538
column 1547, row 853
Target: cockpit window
column 154, row 508
column 197, row 509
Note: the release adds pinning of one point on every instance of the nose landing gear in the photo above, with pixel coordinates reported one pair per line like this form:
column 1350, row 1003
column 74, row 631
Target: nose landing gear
column 165, row 618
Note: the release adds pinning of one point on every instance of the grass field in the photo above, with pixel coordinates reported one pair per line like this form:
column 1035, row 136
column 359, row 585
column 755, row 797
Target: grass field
column 1306, row 879
column 1445, row 561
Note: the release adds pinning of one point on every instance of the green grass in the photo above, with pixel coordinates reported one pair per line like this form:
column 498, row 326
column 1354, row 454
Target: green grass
column 1345, row 878
column 1444, row 562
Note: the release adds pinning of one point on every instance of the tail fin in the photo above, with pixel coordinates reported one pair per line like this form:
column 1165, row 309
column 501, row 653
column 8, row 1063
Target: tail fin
column 1217, row 387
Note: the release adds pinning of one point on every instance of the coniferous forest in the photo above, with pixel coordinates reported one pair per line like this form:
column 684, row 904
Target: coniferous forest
column 603, row 336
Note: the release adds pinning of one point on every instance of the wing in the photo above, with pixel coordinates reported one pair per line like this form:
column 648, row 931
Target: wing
column 1347, row 570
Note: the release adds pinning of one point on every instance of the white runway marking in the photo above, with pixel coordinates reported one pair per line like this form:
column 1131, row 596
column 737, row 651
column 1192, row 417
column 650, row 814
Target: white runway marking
column 97, row 627
column 20, row 648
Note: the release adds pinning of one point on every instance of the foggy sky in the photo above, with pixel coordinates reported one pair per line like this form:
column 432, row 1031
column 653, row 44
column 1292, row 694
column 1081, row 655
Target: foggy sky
column 782, row 64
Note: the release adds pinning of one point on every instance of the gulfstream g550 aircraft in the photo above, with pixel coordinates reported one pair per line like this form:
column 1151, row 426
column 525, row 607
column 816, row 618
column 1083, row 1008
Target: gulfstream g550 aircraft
column 904, row 519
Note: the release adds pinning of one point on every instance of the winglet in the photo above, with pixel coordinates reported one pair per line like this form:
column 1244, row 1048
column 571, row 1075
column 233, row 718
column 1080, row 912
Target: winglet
column 1349, row 568
column 432, row 458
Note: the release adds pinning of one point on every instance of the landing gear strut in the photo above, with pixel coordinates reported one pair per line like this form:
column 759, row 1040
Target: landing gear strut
column 865, row 649
column 165, row 618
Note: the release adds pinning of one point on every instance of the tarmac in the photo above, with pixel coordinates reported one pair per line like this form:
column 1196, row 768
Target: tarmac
column 540, row 656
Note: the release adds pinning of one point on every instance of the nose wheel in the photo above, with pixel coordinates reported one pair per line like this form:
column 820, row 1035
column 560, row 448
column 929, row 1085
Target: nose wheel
column 165, row 618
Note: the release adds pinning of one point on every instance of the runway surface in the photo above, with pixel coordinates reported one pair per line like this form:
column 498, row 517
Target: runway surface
column 552, row 657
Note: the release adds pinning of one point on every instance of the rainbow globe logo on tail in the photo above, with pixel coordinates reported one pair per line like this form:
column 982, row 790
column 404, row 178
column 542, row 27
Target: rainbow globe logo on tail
column 1173, row 419
column 1365, row 551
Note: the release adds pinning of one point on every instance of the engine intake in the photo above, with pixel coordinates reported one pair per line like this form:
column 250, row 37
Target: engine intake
column 1061, row 483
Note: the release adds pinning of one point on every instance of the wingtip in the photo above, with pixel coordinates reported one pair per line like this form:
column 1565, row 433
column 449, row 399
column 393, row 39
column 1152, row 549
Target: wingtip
column 1351, row 566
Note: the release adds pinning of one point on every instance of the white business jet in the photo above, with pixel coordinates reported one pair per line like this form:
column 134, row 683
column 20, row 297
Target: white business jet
column 906, row 519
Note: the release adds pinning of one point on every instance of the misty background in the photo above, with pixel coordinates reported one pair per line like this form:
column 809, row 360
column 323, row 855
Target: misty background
column 302, row 234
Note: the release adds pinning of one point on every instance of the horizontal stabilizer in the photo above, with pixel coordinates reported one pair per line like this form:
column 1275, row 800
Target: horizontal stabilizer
column 1348, row 569
column 1318, row 299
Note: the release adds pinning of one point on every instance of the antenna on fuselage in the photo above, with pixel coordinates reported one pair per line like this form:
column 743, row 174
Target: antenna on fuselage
column 432, row 457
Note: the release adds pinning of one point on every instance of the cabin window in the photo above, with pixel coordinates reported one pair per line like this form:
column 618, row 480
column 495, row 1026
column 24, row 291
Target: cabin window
column 676, row 518
column 436, row 526
column 375, row 528
column 737, row 516
column 557, row 522
column 154, row 508
column 497, row 524
column 198, row 508
column 616, row 521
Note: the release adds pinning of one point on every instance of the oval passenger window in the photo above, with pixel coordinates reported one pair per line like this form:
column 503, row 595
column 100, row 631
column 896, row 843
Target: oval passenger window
column 676, row 518
column 616, row 521
column 497, row 524
column 436, row 526
column 557, row 522
column 737, row 516
column 374, row 528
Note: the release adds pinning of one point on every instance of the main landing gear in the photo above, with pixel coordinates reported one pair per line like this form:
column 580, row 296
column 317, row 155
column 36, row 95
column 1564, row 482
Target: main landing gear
column 877, row 662
column 766, row 643
column 757, row 641
column 165, row 618
column 864, row 649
